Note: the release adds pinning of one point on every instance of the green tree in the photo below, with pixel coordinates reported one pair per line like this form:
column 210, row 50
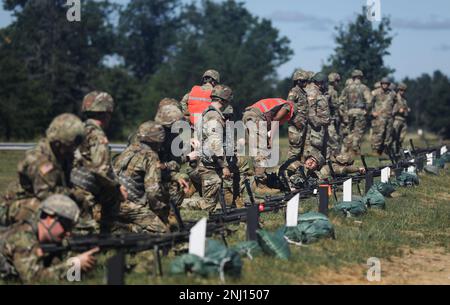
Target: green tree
column 224, row 36
column 147, row 32
column 362, row 45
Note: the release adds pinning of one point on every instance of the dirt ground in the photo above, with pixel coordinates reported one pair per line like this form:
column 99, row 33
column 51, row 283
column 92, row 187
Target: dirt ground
column 420, row 266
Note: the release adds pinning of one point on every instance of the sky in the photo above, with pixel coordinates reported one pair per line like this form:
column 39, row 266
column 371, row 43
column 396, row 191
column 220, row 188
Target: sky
column 421, row 31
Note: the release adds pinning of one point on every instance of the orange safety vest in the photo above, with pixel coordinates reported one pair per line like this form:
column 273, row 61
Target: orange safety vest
column 199, row 100
column 270, row 103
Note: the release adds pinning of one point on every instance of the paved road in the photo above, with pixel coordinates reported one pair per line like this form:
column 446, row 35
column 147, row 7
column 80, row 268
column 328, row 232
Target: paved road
column 26, row 146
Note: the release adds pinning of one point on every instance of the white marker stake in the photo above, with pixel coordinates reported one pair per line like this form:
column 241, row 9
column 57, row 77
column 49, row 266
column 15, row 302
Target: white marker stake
column 347, row 190
column 430, row 159
column 197, row 238
column 385, row 175
column 292, row 211
column 411, row 169
column 443, row 150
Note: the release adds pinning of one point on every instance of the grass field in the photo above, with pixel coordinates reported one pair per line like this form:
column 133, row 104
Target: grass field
column 411, row 238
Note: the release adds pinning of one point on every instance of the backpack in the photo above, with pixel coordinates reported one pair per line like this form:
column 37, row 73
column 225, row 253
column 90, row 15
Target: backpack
column 385, row 188
column 274, row 244
column 407, row 179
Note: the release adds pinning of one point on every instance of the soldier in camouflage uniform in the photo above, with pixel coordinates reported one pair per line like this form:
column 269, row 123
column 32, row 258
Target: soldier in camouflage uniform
column 21, row 257
column 174, row 181
column 93, row 159
column 139, row 170
column 301, row 172
column 45, row 170
column 297, row 125
column 382, row 123
column 343, row 164
column 213, row 167
column 400, row 112
column 210, row 79
column 336, row 111
column 357, row 99
column 318, row 116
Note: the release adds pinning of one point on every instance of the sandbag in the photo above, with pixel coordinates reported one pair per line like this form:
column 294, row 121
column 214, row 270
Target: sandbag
column 218, row 260
column 274, row 244
column 407, row 179
column 350, row 209
column 374, row 199
column 311, row 227
column 385, row 188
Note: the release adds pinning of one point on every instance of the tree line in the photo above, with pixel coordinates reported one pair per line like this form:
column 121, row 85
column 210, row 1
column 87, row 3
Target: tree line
column 146, row 50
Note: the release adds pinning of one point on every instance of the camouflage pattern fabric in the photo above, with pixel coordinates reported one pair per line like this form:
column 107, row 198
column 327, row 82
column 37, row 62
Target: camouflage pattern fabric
column 382, row 125
column 297, row 135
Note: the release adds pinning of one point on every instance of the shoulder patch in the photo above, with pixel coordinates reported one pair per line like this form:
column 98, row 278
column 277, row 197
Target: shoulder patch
column 45, row 168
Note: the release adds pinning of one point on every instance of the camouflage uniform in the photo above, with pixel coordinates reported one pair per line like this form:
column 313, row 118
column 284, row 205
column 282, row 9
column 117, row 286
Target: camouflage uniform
column 41, row 173
column 299, row 176
column 94, row 157
column 213, row 159
column 21, row 258
column 138, row 169
column 318, row 121
column 336, row 111
column 342, row 163
column 297, row 135
column 399, row 126
column 382, row 125
column 357, row 100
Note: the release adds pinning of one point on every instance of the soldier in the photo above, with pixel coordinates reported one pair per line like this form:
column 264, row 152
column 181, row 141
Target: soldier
column 213, row 167
column 343, row 164
column 382, row 122
column 265, row 111
column 45, row 170
column 337, row 111
column 318, row 116
column 139, row 170
column 297, row 126
column 199, row 98
column 301, row 173
column 21, row 257
column 174, row 181
column 400, row 111
column 94, row 158
column 357, row 100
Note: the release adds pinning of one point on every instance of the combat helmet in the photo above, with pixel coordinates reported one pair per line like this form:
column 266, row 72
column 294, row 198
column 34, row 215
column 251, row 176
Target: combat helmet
column 334, row 77
column 357, row 73
column 168, row 101
column 319, row 77
column 319, row 158
column 151, row 132
column 402, row 86
column 96, row 101
column 385, row 80
column 67, row 129
column 168, row 114
column 61, row 206
column 300, row 75
column 213, row 74
column 223, row 92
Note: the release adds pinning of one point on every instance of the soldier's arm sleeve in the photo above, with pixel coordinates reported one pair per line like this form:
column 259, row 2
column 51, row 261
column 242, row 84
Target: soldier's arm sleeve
column 213, row 132
column 184, row 104
column 152, row 181
column 368, row 96
column 100, row 154
column 45, row 179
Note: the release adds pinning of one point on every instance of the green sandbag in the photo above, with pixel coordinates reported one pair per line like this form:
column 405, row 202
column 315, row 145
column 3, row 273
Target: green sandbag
column 407, row 179
column 248, row 248
column 218, row 260
column 431, row 169
column 374, row 199
column 350, row 208
column 446, row 157
column 274, row 244
column 311, row 227
column 440, row 163
column 385, row 188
